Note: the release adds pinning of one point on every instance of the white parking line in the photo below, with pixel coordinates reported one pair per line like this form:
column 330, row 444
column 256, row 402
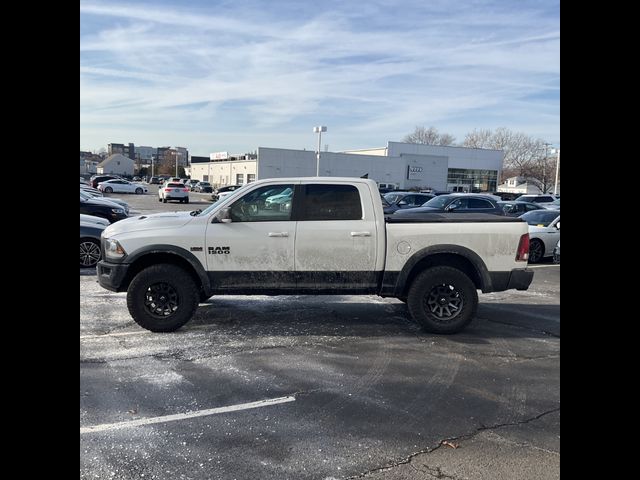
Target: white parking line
column 544, row 266
column 184, row 416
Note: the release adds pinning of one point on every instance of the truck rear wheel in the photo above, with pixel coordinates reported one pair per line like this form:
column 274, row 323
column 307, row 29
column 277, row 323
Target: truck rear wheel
column 442, row 300
column 162, row 298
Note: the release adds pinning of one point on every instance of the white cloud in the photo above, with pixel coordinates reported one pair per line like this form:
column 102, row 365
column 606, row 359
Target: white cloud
column 248, row 76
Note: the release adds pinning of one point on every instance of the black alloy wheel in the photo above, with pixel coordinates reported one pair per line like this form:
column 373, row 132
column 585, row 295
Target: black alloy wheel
column 444, row 302
column 536, row 251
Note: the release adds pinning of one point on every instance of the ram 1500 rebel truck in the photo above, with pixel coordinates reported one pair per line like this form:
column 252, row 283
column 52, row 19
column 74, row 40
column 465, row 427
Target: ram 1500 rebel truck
column 312, row 236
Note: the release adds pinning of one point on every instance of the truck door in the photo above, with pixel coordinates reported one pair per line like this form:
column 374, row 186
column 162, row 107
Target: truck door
column 335, row 247
column 255, row 251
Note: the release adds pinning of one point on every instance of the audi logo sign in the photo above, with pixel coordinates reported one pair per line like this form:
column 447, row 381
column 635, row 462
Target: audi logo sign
column 413, row 172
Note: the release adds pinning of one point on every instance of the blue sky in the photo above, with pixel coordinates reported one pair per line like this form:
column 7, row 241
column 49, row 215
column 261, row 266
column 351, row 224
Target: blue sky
column 235, row 75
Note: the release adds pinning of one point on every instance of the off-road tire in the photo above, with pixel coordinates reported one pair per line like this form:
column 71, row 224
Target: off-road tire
column 442, row 300
column 162, row 298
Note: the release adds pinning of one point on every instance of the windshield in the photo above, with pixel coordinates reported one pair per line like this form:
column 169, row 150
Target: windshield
column 438, row 202
column 540, row 217
column 393, row 197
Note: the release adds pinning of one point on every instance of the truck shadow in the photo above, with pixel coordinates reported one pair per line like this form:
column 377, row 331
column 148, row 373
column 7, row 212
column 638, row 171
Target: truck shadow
column 343, row 317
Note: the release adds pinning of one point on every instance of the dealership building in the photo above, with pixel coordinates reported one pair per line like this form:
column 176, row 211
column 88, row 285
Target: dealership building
column 398, row 165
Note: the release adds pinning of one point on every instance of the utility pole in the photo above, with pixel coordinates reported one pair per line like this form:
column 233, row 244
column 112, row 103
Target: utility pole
column 555, row 185
column 544, row 168
column 319, row 131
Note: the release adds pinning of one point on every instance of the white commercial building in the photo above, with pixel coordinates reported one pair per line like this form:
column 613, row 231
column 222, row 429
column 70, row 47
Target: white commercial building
column 399, row 165
column 225, row 172
column 116, row 164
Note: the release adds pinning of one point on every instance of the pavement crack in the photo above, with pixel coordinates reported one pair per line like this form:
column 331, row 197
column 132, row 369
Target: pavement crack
column 537, row 330
column 435, row 471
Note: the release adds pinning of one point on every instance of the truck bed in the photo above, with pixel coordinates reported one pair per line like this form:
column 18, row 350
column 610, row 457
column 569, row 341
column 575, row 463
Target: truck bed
column 437, row 217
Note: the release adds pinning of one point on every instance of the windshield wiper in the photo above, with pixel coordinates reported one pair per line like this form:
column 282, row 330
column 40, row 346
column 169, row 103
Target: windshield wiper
column 195, row 212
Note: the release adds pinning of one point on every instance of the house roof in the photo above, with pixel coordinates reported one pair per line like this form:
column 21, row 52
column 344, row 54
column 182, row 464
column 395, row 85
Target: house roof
column 115, row 156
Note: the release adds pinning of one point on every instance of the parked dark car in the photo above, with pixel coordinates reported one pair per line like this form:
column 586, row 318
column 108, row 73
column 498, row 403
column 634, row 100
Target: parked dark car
column 96, row 179
column 154, row 181
column 111, row 213
column 506, row 196
column 90, row 244
column 458, row 203
column 555, row 205
column 202, row 187
column 228, row 188
column 515, row 209
column 536, row 198
column 405, row 200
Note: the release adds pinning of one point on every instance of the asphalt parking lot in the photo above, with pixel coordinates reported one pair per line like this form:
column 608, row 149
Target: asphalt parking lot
column 319, row 387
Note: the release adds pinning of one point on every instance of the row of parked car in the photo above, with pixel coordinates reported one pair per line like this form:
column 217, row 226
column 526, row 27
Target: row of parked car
column 412, row 203
column 541, row 212
column 98, row 211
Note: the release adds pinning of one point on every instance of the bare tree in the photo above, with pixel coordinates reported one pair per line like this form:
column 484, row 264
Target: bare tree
column 542, row 171
column 429, row 136
column 524, row 156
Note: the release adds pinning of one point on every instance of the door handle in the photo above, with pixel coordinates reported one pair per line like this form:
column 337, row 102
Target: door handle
column 360, row 234
column 278, row 234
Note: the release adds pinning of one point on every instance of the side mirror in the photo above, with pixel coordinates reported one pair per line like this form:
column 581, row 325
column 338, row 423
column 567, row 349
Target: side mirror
column 223, row 216
column 450, row 208
column 402, row 203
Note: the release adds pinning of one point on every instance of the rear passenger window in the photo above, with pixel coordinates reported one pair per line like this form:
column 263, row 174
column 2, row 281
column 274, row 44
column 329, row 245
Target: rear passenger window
column 478, row 203
column 331, row 202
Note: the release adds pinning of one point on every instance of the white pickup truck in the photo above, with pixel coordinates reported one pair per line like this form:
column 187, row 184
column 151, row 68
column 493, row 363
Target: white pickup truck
column 312, row 236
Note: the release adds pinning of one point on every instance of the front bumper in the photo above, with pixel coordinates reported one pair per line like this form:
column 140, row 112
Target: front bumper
column 111, row 275
column 114, row 217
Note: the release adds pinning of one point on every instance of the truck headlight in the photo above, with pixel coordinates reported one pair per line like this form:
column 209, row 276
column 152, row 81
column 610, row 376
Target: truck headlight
column 113, row 249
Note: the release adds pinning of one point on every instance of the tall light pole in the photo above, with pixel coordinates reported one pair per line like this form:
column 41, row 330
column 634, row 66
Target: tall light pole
column 544, row 168
column 555, row 185
column 319, row 131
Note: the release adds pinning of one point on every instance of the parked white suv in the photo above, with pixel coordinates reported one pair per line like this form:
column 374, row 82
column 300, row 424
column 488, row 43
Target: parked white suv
column 173, row 191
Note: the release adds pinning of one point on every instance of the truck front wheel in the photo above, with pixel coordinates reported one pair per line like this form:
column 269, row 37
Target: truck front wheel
column 442, row 300
column 162, row 298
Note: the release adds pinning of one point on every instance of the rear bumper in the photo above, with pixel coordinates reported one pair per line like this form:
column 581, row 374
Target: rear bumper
column 175, row 197
column 111, row 275
column 518, row 279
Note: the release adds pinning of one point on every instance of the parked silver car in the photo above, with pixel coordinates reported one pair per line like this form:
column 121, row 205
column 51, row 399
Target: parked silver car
column 90, row 251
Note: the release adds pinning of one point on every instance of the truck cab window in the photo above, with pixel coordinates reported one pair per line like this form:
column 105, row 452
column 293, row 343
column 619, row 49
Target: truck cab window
column 267, row 204
column 331, row 202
